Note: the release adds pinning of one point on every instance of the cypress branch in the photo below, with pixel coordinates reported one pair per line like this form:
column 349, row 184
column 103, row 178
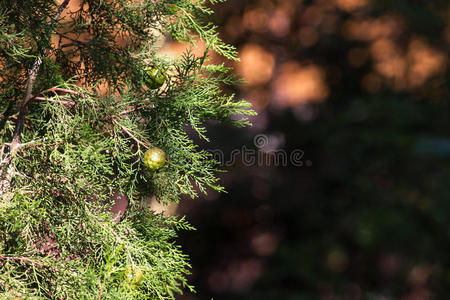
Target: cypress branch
column 70, row 152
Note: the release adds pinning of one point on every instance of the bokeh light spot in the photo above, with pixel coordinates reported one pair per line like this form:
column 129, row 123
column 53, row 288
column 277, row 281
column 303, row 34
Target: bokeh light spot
column 264, row 244
column 365, row 29
column 313, row 15
column 351, row 5
column 424, row 62
column 280, row 23
column 256, row 65
column 296, row 84
column 256, row 20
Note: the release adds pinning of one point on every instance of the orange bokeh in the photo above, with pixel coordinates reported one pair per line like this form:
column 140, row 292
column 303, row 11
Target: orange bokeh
column 298, row 84
column 424, row 62
column 369, row 29
column 257, row 64
column 256, row 20
column 351, row 5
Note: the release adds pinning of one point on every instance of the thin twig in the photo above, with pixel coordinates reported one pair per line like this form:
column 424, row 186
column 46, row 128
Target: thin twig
column 124, row 112
column 3, row 161
column 68, row 102
column 127, row 131
column 23, row 259
column 134, row 109
column 77, row 43
column 2, row 151
column 101, row 291
column 125, row 247
column 57, row 89
column 39, row 145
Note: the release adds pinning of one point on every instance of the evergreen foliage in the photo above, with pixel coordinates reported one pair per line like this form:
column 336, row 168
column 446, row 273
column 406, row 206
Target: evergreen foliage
column 76, row 116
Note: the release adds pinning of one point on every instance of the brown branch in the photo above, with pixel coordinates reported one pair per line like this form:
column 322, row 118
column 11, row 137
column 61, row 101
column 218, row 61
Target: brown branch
column 57, row 89
column 54, row 90
column 74, row 41
column 137, row 108
column 1, row 153
column 127, row 131
column 101, row 291
column 124, row 112
column 39, row 145
column 67, row 102
column 78, row 43
column 59, row 12
column 30, row 83
column 23, row 106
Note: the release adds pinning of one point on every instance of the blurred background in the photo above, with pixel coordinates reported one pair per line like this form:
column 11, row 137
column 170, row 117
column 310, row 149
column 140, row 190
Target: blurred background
column 359, row 89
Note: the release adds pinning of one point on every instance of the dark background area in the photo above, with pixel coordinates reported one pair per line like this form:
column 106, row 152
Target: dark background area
column 361, row 90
